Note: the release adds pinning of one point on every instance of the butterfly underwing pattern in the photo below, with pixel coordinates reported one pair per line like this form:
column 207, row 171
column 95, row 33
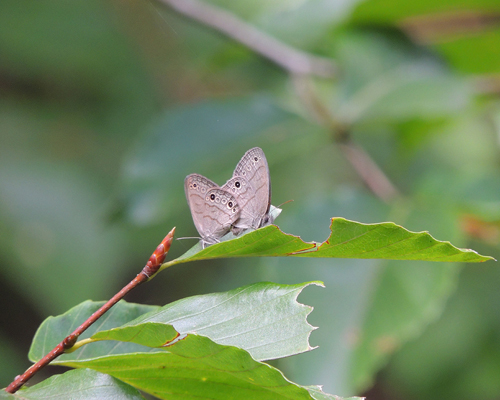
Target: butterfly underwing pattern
column 214, row 210
column 251, row 185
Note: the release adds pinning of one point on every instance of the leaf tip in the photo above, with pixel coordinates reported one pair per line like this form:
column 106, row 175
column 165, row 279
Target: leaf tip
column 316, row 283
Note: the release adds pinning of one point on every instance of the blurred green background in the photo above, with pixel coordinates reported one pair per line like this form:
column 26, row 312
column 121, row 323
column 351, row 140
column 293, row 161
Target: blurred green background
column 105, row 107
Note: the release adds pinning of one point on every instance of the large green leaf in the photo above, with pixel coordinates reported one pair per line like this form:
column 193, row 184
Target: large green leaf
column 83, row 384
column 193, row 366
column 89, row 384
column 348, row 239
column 54, row 329
column 150, row 355
column 263, row 318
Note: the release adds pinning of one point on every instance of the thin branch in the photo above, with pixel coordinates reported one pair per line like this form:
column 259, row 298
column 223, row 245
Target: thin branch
column 289, row 58
column 300, row 65
column 369, row 171
column 371, row 174
column 147, row 272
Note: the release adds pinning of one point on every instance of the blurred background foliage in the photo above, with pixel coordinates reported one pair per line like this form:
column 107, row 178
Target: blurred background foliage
column 105, row 107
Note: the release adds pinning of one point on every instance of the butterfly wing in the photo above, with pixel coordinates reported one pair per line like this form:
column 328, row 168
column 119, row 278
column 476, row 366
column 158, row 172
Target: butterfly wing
column 214, row 210
column 245, row 194
column 251, row 185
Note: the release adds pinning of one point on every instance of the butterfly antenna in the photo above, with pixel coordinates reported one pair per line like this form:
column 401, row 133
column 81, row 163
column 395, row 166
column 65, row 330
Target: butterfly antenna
column 189, row 237
column 289, row 201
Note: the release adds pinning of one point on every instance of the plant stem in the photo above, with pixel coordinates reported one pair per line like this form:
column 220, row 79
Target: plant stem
column 147, row 272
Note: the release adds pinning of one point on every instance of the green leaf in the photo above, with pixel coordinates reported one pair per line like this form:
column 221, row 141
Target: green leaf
column 388, row 79
column 348, row 239
column 151, row 334
column 470, row 50
column 197, row 367
column 407, row 92
column 263, row 318
column 54, row 329
column 78, row 384
column 380, row 11
column 473, row 54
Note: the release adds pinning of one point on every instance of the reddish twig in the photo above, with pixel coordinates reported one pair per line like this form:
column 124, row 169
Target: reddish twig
column 147, row 272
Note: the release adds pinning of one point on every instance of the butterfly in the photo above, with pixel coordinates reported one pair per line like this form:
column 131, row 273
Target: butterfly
column 242, row 203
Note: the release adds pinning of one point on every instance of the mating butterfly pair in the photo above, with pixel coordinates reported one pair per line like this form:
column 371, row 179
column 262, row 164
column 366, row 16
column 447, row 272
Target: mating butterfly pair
column 243, row 202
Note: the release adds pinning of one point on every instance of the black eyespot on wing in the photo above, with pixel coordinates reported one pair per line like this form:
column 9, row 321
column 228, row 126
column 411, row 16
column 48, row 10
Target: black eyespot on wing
column 212, row 196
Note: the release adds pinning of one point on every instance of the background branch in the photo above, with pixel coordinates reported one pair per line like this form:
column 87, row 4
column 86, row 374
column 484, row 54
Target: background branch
column 367, row 169
column 300, row 65
column 287, row 57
